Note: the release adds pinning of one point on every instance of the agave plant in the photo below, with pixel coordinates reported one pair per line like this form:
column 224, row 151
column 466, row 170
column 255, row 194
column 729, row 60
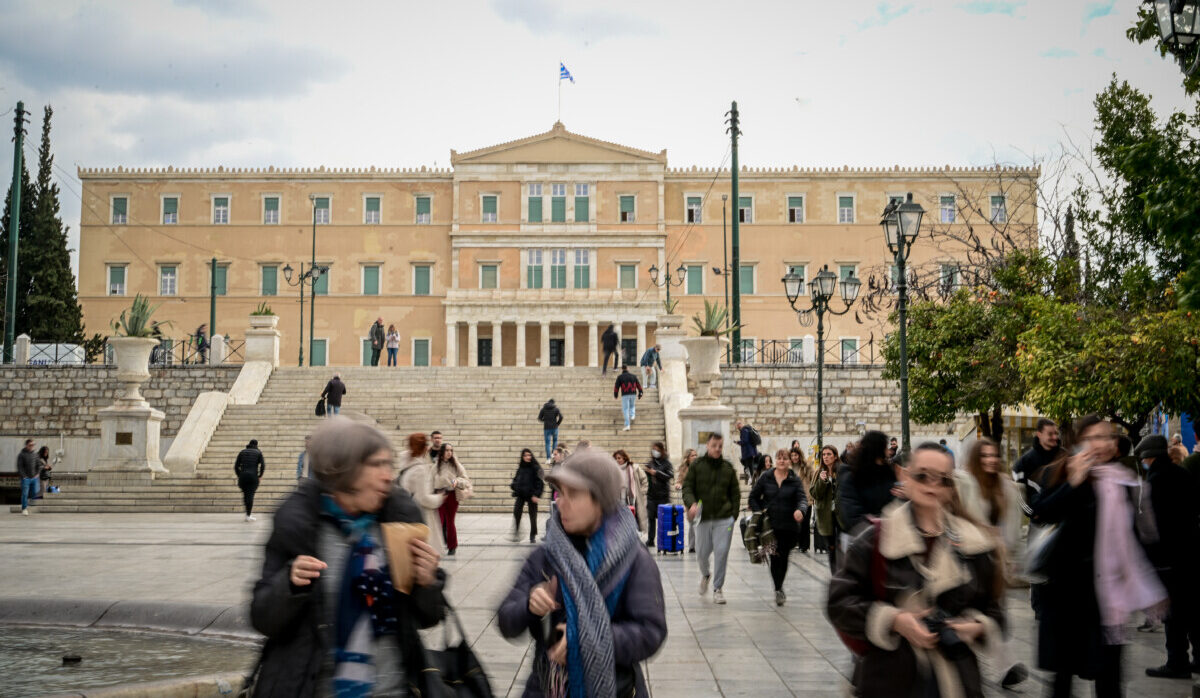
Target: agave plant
column 669, row 306
column 135, row 321
column 711, row 323
column 263, row 309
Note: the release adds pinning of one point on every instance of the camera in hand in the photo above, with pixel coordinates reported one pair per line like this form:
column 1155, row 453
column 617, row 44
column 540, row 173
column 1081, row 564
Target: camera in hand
column 951, row 645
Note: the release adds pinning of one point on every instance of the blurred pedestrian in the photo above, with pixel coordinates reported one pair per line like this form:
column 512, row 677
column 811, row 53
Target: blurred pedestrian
column 416, row 477
column 332, row 394
column 550, row 417
column 865, row 487
column 634, row 484
column 303, row 467
column 781, row 494
column 609, row 341
column 800, row 466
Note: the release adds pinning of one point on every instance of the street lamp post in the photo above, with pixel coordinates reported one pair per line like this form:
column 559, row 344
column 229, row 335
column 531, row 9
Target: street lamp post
column 821, row 289
column 1179, row 27
column 901, row 224
column 312, row 300
column 725, row 269
column 668, row 282
column 306, row 278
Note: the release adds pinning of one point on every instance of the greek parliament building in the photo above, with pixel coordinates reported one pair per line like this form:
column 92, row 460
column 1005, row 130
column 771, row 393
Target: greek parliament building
column 519, row 254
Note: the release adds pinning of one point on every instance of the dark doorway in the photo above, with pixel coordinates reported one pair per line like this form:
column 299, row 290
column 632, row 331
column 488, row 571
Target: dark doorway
column 629, row 351
column 485, row 351
column 557, row 347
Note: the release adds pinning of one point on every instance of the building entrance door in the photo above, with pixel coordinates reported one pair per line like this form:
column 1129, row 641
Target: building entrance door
column 629, row 352
column 485, row 351
column 557, row 352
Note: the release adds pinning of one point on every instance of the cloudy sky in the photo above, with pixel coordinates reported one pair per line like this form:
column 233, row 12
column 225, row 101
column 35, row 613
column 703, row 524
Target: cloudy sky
column 400, row 83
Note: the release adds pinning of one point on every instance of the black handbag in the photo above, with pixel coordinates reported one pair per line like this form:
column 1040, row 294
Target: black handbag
column 320, row 407
column 459, row 669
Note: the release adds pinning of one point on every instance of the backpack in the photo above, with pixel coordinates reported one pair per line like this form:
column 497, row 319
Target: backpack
column 755, row 438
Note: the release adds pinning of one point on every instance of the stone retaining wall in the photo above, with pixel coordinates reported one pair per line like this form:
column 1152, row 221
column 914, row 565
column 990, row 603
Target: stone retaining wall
column 42, row 401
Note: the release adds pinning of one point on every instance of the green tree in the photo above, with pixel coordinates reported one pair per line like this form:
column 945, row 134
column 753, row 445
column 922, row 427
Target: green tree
column 24, row 275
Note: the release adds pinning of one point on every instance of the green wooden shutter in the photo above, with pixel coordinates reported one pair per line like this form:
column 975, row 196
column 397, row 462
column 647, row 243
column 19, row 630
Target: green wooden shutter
column 318, row 351
column 420, row 352
column 558, row 209
column 627, row 204
column 222, row 280
column 845, row 202
column 421, row 285
column 322, row 286
column 745, row 202
column 270, row 280
column 746, row 280
column 581, row 209
column 271, row 203
column 116, row 277
column 583, row 276
column 628, row 276
column 795, row 202
column 535, row 209
column 693, row 201
column 373, row 204
column 170, row 206
column 489, row 204
column 695, row 280
column 533, row 277
column 488, row 277
column 120, row 207
column 371, row 281
column 366, row 352
column 422, row 205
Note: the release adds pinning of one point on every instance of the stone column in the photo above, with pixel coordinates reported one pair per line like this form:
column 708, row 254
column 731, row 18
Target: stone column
column 568, row 343
column 593, row 344
column 473, row 343
column 21, row 350
column 217, row 350
column 521, row 343
column 672, row 383
column 641, row 340
column 498, row 343
column 545, row 342
column 451, row 343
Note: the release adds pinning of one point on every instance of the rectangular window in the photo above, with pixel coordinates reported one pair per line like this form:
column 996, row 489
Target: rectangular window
column 420, row 355
column 795, row 209
column 116, row 280
column 747, row 351
column 849, row 351
column 845, row 271
column 321, row 287
column 746, row 209
column 583, row 269
column 489, row 276
column 371, row 212
column 321, row 210
column 746, row 280
column 533, row 269
column 558, row 203
column 489, row 209
column 694, row 204
column 535, row 202
column 894, row 278
column 947, row 208
column 424, row 210
column 271, row 210
column 320, row 350
column 895, row 199
column 168, row 281
column 220, row 210
column 120, row 210
column 270, row 280
column 558, row 268
column 581, row 203
column 800, row 270
column 695, row 279
column 222, row 279
column 366, row 351
column 795, row 351
column 627, row 212
column 949, row 277
column 370, row 280
column 845, row 209
column 627, row 277
column 999, row 211
column 170, row 210
column 421, row 279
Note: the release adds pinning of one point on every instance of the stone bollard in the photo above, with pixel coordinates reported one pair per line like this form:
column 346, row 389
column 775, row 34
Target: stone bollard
column 21, row 350
column 216, row 350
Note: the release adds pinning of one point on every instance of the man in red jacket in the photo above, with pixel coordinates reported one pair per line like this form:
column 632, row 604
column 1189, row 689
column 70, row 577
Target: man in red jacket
column 629, row 390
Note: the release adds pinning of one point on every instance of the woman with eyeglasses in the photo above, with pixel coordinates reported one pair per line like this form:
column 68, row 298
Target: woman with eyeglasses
column 918, row 594
column 1098, row 505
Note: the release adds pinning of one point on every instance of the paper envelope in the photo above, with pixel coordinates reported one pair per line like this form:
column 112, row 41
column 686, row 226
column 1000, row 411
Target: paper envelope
column 396, row 537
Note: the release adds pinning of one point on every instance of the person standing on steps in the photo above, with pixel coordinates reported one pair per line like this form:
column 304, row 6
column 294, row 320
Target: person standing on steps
column 378, row 338
column 528, row 486
column 393, row 345
column 609, row 341
column 711, row 495
column 28, row 468
column 780, row 493
column 249, row 468
column 303, row 468
column 745, row 440
column 660, row 474
column 550, row 417
column 629, row 390
column 649, row 360
column 333, row 392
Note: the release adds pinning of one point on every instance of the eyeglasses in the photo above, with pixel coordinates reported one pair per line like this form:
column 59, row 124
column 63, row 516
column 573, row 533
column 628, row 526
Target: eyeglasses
column 926, row 478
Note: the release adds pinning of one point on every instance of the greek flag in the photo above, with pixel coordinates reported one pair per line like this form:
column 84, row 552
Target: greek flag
column 564, row 74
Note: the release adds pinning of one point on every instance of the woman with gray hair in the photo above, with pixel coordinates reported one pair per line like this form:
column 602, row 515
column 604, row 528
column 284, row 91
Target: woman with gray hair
column 590, row 595
column 334, row 623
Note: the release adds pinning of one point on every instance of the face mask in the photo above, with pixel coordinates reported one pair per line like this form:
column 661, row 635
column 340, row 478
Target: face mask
column 656, row 454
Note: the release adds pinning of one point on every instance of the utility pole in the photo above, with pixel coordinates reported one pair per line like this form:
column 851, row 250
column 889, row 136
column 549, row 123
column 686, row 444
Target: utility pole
column 312, row 304
column 735, row 313
column 14, row 226
column 725, row 262
column 212, row 307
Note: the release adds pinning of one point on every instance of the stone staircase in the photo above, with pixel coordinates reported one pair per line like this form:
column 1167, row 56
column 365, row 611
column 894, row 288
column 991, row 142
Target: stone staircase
column 488, row 413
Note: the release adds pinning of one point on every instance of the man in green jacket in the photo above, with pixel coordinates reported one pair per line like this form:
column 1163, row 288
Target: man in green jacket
column 711, row 493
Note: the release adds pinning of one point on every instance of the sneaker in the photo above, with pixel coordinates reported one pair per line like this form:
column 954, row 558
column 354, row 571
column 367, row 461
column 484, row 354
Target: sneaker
column 1149, row 627
column 514, row 536
column 780, row 598
column 718, row 597
column 250, row 518
column 1014, row 676
column 704, row 585
column 1168, row 672
column 625, row 429
column 25, row 512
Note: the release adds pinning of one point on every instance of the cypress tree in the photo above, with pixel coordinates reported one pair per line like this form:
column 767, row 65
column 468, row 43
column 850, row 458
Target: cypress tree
column 24, row 275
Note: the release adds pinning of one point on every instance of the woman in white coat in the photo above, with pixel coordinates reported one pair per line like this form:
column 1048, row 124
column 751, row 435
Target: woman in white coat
column 417, row 476
column 633, row 486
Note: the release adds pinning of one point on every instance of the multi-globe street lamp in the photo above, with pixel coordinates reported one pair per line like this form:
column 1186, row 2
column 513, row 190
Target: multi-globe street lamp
column 901, row 224
column 1179, row 27
column 821, row 289
column 668, row 281
column 308, row 277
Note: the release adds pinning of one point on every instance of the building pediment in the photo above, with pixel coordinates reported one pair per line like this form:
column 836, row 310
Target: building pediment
column 557, row 146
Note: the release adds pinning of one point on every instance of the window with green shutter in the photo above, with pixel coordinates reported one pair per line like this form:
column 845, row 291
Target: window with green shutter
column 628, row 276
column 319, row 350
column 489, row 209
column 372, row 213
column 627, row 213
column 581, row 209
column 795, row 209
column 746, row 209
column 800, row 270
column 271, row 210
column 849, row 351
column 168, row 280
column 845, row 209
column 558, row 209
column 220, row 210
column 270, row 280
column 366, row 351
column 222, row 280
column 321, row 288
column 321, row 210
column 693, row 209
column 535, row 209
column 583, row 269
column 533, row 269
column 558, row 268
column 845, row 271
column 489, row 276
column 170, row 210
column 120, row 210
column 371, row 280
column 420, row 352
column 116, row 281
column 423, row 210
column 421, row 280
column 746, row 280
column 695, row 279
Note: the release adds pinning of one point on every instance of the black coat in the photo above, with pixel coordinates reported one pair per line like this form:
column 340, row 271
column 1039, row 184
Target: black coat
column 658, row 486
column 608, row 340
column 528, row 482
column 293, row 618
column 1175, row 501
column 27, row 464
column 334, row 390
column 550, row 416
column 249, row 463
column 780, row 501
column 1027, row 469
column 858, row 500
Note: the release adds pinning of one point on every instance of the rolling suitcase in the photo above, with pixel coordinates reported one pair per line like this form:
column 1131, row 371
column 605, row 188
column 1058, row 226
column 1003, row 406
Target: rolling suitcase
column 670, row 528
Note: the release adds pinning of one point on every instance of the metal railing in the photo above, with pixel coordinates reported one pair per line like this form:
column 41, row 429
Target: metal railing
column 170, row 352
column 786, row 352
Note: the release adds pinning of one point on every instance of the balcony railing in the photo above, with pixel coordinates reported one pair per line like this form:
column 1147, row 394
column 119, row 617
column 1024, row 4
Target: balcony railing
column 786, row 352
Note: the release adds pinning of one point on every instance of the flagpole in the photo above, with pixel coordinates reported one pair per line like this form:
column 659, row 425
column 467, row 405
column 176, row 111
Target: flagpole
column 559, row 119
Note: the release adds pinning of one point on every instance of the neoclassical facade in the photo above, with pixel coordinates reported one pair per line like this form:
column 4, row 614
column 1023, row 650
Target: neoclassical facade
column 519, row 254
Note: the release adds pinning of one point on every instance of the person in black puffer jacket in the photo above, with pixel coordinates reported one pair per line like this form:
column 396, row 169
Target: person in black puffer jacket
column 865, row 486
column 249, row 468
column 780, row 493
column 528, row 487
column 659, row 475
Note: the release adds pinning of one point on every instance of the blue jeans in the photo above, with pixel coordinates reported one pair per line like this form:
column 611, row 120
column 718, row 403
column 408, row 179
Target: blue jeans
column 332, row 410
column 551, row 440
column 29, row 490
column 629, row 407
column 392, row 351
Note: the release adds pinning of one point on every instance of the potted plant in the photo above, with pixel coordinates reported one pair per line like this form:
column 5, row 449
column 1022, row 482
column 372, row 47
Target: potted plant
column 133, row 340
column 704, row 352
column 670, row 320
column 263, row 317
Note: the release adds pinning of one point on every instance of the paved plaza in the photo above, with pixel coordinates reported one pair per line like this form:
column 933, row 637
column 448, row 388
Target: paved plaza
column 748, row 647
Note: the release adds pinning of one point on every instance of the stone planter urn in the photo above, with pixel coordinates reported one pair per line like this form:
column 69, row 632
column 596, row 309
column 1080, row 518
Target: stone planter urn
column 262, row 339
column 129, row 428
column 704, row 354
column 669, row 321
column 133, row 365
column 264, row 322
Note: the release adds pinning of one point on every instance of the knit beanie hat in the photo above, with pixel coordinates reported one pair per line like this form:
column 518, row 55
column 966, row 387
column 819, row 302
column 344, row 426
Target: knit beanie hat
column 592, row 470
column 1153, row 446
column 253, row 443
